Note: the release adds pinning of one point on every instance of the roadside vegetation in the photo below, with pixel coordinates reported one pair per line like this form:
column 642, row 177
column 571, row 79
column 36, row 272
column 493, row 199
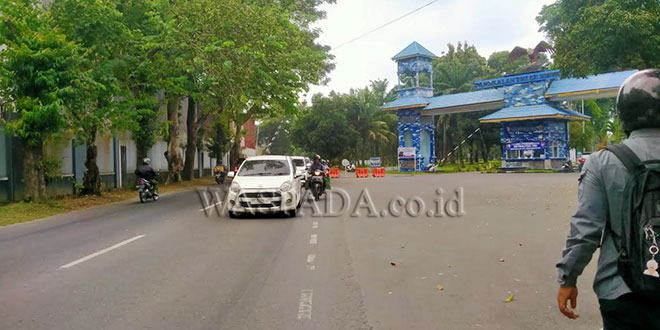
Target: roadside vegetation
column 12, row 213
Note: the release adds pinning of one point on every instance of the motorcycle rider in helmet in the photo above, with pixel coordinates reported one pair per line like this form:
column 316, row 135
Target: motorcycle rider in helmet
column 317, row 166
column 598, row 218
column 146, row 172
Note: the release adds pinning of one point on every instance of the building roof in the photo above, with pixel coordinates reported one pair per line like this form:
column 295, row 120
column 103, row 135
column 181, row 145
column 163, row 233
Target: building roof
column 469, row 98
column 612, row 80
column 539, row 111
column 406, row 102
column 413, row 50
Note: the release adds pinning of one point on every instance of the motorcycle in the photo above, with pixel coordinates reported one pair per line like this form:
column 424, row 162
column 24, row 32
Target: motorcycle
column 317, row 184
column 581, row 163
column 219, row 174
column 146, row 190
column 567, row 167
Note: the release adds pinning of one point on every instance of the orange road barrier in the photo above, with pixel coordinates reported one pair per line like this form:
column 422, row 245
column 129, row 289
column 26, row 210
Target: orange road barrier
column 334, row 173
column 362, row 172
column 378, row 172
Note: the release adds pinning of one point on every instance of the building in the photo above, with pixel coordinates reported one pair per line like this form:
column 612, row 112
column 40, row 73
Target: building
column 117, row 160
column 530, row 110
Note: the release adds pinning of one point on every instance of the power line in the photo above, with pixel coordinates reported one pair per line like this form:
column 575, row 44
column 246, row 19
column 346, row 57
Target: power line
column 384, row 25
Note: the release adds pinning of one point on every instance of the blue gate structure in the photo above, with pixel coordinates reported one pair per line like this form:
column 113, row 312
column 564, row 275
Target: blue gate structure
column 529, row 107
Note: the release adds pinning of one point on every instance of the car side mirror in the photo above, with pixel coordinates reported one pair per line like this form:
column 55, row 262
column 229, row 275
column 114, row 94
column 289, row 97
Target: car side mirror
column 231, row 174
column 299, row 174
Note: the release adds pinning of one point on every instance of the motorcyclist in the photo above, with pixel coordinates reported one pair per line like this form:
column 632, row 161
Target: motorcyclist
column 318, row 166
column 326, row 167
column 146, row 172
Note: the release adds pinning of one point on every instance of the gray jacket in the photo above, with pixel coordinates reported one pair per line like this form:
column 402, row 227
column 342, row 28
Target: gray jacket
column 599, row 197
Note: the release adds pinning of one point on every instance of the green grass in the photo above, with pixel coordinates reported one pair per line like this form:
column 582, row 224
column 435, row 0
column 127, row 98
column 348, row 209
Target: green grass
column 490, row 166
column 12, row 213
column 22, row 212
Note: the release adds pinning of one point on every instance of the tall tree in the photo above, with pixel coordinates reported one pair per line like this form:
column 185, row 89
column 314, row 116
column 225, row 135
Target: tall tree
column 323, row 128
column 595, row 36
column 97, row 26
column 40, row 74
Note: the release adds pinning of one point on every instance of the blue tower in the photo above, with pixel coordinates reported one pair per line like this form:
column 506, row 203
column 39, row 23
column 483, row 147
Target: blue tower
column 415, row 86
column 415, row 71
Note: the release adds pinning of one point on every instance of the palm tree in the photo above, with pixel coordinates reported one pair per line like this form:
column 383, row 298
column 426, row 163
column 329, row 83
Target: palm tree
column 366, row 117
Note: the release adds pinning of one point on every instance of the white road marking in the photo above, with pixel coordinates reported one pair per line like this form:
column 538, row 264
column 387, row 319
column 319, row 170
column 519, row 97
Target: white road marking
column 313, row 239
column 310, row 258
column 305, row 305
column 210, row 206
column 315, row 225
column 96, row 254
column 312, row 267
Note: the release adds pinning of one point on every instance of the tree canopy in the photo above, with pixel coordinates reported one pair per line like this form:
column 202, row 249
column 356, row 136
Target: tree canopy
column 595, row 36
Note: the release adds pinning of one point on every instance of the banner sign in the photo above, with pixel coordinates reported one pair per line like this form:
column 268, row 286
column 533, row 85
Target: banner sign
column 407, row 152
column 518, row 79
column 374, row 161
column 524, row 146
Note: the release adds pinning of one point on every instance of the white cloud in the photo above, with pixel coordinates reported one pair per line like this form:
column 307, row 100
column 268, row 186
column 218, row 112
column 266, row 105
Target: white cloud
column 488, row 24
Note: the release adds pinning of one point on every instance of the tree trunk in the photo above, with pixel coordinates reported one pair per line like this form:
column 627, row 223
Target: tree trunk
column 191, row 142
column 174, row 159
column 33, row 174
column 235, row 148
column 92, row 177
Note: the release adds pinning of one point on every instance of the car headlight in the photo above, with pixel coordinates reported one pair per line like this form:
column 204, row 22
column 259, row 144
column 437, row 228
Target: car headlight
column 235, row 187
column 286, row 186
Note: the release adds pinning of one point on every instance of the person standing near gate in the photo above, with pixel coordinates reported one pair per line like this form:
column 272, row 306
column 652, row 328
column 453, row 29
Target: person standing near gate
column 620, row 188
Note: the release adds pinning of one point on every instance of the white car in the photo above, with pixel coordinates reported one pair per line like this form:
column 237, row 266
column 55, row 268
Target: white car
column 301, row 166
column 265, row 184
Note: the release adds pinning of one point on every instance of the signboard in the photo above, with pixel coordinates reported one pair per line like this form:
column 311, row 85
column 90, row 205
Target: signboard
column 524, row 146
column 374, row 161
column 345, row 162
column 406, row 165
column 518, row 79
column 407, row 160
column 407, row 152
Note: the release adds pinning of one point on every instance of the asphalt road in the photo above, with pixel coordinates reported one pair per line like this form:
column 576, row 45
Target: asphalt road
column 170, row 265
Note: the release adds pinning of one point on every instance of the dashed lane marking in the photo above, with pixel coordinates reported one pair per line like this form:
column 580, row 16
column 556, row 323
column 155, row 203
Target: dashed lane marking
column 106, row 250
column 313, row 239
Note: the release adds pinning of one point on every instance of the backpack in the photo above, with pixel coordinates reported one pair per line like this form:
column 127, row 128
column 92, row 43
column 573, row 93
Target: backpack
column 638, row 251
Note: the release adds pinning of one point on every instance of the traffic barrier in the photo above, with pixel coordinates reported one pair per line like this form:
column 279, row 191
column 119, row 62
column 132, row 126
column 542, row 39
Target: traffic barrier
column 334, row 173
column 378, row 172
column 362, row 172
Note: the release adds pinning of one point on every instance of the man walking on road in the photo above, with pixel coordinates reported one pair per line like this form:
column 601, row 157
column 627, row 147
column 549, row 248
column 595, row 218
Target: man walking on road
column 598, row 219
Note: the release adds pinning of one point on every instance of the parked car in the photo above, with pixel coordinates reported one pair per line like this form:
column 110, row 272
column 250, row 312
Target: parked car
column 265, row 184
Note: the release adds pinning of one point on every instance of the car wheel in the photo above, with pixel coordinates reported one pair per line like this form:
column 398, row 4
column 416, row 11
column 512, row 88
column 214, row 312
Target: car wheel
column 233, row 215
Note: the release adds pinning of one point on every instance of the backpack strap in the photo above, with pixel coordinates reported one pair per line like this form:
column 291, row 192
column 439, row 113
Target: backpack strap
column 626, row 156
column 632, row 164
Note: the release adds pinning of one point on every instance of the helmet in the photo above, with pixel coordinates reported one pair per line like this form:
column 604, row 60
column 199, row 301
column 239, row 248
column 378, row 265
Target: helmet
column 146, row 161
column 317, row 157
column 638, row 102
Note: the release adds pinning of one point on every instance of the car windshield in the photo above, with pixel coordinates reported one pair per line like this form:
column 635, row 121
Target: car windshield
column 298, row 162
column 264, row 167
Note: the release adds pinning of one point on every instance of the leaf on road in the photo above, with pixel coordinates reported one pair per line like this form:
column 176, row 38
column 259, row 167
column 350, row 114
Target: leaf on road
column 439, row 287
column 510, row 298
column 392, row 264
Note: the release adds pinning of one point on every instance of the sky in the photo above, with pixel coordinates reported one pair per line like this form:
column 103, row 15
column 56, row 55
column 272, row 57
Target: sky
column 490, row 25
